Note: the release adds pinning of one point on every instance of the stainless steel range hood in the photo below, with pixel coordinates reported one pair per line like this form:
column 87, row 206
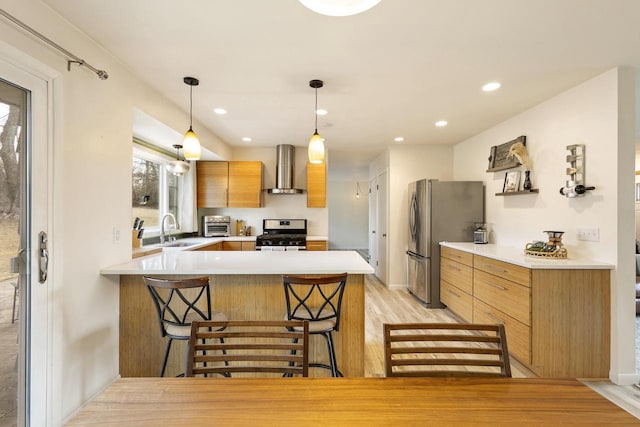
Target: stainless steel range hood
column 285, row 162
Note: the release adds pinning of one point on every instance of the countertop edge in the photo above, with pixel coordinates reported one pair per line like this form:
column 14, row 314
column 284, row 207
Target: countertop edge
column 516, row 256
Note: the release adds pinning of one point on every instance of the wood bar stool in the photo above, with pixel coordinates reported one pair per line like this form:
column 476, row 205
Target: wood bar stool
column 317, row 299
column 178, row 303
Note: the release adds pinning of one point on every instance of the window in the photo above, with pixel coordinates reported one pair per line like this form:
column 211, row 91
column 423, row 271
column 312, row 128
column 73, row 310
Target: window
column 154, row 192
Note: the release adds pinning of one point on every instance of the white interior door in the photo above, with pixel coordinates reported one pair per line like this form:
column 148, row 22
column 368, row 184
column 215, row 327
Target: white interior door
column 32, row 152
column 373, row 206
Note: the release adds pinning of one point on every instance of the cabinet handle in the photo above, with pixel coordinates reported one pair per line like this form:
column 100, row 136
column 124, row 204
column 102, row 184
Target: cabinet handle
column 494, row 268
column 499, row 320
column 451, row 292
column 454, row 268
column 502, row 288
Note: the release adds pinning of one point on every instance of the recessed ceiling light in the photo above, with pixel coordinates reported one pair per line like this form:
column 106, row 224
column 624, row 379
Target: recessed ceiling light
column 321, row 112
column 339, row 7
column 220, row 111
column 441, row 123
column 398, row 139
column 246, row 139
column 490, row 87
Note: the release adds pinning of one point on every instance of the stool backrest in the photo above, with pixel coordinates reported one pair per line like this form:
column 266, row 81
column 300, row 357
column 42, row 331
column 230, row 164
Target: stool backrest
column 238, row 347
column 314, row 298
column 445, row 350
column 180, row 301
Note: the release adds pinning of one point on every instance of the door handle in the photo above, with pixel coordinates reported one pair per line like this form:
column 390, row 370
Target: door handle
column 384, row 234
column 43, row 256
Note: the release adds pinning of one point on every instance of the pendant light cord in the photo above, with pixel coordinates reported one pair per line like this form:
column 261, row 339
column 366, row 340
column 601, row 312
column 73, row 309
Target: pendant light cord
column 315, row 112
column 190, row 106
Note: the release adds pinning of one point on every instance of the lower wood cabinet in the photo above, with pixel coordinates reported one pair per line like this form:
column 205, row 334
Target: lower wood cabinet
column 238, row 245
column 316, row 245
column 557, row 320
column 211, row 247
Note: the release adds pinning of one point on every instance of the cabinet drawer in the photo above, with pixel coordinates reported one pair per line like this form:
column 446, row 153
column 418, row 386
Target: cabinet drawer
column 457, row 274
column 458, row 301
column 504, row 295
column 515, row 273
column 456, row 255
column 316, row 245
column 232, row 246
column 518, row 334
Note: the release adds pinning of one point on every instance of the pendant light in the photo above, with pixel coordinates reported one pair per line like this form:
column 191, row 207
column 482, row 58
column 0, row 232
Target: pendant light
column 357, row 189
column 339, row 7
column 177, row 166
column 316, row 142
column 190, row 142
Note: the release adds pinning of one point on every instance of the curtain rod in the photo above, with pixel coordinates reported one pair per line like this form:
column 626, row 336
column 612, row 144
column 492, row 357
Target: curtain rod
column 102, row 74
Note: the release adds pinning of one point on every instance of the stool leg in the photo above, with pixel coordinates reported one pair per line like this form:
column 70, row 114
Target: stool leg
column 166, row 357
column 332, row 356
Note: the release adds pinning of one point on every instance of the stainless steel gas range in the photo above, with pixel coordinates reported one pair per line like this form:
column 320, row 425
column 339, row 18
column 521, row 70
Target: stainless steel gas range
column 282, row 235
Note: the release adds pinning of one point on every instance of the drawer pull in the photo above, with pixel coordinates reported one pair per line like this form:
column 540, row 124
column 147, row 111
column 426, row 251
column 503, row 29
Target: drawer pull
column 494, row 268
column 502, row 288
column 454, row 268
column 451, row 292
column 497, row 319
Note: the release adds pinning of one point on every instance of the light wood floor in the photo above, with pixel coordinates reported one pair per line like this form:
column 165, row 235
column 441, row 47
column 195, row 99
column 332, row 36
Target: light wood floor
column 383, row 305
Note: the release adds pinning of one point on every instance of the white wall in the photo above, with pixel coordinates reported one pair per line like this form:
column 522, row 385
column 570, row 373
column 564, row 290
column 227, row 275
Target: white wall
column 92, row 131
column 348, row 216
column 409, row 163
column 600, row 114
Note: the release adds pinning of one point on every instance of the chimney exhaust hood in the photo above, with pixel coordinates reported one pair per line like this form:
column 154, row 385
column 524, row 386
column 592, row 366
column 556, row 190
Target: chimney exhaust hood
column 285, row 161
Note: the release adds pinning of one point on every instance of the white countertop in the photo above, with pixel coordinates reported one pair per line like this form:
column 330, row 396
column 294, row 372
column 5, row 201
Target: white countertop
column 243, row 262
column 198, row 242
column 516, row 256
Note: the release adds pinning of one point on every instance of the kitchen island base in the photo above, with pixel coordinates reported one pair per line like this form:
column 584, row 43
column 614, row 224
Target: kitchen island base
column 240, row 297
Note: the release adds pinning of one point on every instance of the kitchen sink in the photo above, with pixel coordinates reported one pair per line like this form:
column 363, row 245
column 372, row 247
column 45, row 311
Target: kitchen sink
column 179, row 244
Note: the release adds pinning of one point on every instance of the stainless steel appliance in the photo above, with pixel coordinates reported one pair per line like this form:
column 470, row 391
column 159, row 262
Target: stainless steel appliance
column 216, row 226
column 282, row 235
column 480, row 233
column 438, row 211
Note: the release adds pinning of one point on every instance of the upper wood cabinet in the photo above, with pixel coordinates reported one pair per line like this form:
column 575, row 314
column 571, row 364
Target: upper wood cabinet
column 213, row 184
column 245, row 184
column 229, row 184
column 316, row 185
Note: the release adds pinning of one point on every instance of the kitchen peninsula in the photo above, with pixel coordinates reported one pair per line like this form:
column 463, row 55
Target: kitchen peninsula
column 245, row 286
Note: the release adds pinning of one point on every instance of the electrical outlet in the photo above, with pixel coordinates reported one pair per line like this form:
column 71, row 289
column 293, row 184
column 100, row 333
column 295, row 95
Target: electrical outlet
column 589, row 234
column 116, row 234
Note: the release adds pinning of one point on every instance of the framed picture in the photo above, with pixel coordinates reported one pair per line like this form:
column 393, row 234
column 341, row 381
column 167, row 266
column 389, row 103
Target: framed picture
column 499, row 155
column 511, row 182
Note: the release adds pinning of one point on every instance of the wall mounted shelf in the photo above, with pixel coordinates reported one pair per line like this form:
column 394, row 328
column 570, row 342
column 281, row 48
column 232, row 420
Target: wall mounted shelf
column 517, row 193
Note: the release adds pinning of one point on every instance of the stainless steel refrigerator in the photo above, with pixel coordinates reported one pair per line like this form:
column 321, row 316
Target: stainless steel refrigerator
column 438, row 211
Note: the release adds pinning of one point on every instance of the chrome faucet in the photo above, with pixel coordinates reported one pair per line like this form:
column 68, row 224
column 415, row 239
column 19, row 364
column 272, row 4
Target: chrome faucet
column 171, row 238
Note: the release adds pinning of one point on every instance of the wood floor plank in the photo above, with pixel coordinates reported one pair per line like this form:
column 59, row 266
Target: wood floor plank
column 384, row 305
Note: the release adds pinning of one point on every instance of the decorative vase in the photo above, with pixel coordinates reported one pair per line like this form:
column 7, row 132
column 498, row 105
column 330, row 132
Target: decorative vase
column 527, row 181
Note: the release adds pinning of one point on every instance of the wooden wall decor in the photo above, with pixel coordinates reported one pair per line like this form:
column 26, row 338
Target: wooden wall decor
column 499, row 155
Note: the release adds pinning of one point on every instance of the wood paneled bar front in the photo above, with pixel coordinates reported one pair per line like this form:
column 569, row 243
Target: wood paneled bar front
column 245, row 286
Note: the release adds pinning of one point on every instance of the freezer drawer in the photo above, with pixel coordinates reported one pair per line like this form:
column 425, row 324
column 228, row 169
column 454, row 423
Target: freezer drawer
column 418, row 277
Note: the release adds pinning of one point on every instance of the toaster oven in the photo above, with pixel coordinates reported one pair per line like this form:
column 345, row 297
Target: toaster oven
column 216, row 226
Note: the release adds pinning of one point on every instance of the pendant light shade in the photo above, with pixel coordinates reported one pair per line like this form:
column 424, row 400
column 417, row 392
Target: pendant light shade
column 316, row 142
column 357, row 189
column 177, row 166
column 190, row 143
column 339, row 7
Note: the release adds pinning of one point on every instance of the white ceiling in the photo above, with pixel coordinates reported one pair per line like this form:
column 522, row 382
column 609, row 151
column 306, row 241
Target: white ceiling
column 392, row 71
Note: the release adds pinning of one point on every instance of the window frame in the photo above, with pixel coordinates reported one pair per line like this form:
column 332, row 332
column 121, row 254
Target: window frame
column 159, row 157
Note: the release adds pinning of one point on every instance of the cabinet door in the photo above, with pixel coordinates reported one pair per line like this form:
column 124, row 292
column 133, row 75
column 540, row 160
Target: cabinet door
column 212, row 247
column 248, row 246
column 213, row 184
column 316, row 185
column 316, row 245
column 245, row 184
column 232, row 246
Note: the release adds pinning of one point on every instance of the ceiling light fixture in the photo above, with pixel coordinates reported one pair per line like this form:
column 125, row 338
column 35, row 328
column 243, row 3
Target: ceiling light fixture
column 246, row 139
column 177, row 166
column 357, row 189
column 441, row 123
column 339, row 7
column 190, row 142
column 321, row 112
column 220, row 111
column 316, row 142
column 398, row 139
column 490, row 87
